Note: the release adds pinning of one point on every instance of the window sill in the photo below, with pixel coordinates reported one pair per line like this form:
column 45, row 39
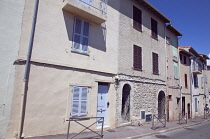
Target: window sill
column 138, row 29
column 74, row 51
column 137, row 69
column 156, row 74
column 156, row 38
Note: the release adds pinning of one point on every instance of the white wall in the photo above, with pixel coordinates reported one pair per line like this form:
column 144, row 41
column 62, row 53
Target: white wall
column 11, row 12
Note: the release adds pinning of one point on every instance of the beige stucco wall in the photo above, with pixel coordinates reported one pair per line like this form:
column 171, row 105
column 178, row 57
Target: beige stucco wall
column 172, row 82
column 55, row 69
column 186, row 92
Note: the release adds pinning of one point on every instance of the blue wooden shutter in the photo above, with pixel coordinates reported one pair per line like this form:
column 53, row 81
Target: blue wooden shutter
column 75, row 111
column 77, row 34
column 176, row 70
column 85, row 37
column 84, row 91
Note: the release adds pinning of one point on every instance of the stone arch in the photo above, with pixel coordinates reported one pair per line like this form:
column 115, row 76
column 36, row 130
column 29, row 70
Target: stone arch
column 125, row 111
column 161, row 103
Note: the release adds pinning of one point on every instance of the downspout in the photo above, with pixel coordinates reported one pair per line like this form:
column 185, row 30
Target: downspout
column 191, row 95
column 166, row 76
column 26, row 74
column 180, row 85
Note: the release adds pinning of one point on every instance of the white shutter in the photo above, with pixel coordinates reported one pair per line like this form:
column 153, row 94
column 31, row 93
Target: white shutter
column 75, row 101
column 84, row 91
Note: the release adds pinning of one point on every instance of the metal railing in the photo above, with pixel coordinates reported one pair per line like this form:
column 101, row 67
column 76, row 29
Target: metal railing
column 158, row 121
column 100, row 5
column 77, row 119
column 182, row 118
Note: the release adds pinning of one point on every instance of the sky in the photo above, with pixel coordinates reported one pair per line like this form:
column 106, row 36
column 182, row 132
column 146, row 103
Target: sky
column 191, row 18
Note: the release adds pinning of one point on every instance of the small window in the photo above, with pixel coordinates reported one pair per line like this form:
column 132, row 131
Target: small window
column 79, row 101
column 176, row 71
column 155, row 63
column 181, row 57
column 168, row 40
column 137, row 19
column 170, row 97
column 80, row 36
column 137, row 58
column 142, row 114
column 154, row 28
column 185, row 79
column 185, row 60
column 195, row 77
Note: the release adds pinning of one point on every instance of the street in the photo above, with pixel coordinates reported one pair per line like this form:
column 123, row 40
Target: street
column 201, row 131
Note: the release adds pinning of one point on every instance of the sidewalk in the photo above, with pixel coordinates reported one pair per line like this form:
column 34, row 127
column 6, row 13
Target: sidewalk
column 132, row 132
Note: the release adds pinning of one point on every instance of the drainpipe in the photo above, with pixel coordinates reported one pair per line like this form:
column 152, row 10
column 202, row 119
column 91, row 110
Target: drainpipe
column 191, row 95
column 26, row 74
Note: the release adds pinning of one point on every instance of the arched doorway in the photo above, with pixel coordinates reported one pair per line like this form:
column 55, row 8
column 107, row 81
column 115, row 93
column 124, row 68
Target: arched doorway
column 125, row 112
column 161, row 103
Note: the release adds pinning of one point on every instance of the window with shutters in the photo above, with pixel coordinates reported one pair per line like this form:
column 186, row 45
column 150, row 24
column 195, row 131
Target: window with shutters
column 176, row 72
column 79, row 101
column 195, row 77
column 81, row 36
column 137, row 58
column 154, row 28
column 155, row 63
column 185, row 80
column 174, row 51
column 137, row 19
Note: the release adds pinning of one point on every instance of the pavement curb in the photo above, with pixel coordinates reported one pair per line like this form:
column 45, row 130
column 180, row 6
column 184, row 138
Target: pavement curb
column 166, row 130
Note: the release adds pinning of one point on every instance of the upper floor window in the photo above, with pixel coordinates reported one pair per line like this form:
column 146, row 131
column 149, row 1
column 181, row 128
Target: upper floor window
column 137, row 18
column 154, row 28
column 180, row 57
column 195, row 77
column 185, row 60
column 185, row 79
column 79, row 101
column 168, row 40
column 176, row 71
column 137, row 58
column 81, row 36
column 174, row 51
column 155, row 63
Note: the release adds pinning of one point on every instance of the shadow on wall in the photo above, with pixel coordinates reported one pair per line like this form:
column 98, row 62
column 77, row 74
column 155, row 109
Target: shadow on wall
column 97, row 32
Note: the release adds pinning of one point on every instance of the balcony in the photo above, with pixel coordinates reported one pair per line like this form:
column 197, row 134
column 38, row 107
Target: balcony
column 196, row 69
column 91, row 10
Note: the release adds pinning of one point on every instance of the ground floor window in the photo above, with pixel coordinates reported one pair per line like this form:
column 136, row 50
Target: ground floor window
column 79, row 101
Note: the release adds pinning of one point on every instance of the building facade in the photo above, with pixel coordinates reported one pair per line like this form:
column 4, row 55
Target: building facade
column 72, row 67
column 141, row 62
column 172, row 70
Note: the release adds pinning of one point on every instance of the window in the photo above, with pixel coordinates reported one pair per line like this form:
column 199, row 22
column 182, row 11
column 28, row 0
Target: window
column 195, row 77
column 168, row 40
column 185, row 60
column 137, row 58
column 79, row 101
column 174, row 51
column 176, row 72
column 155, row 63
column 154, row 28
column 137, row 19
column 81, row 36
column 185, row 79
column 169, row 97
column 87, row 3
column 196, row 105
column 181, row 57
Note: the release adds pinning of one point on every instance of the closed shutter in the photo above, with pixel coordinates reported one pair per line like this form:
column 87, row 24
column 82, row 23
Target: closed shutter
column 75, row 101
column 137, row 18
column 155, row 63
column 174, row 51
column 196, row 105
column 84, row 91
column 154, row 28
column 137, row 58
column 79, row 101
column 81, row 36
column 85, row 37
column 185, row 78
column 176, row 70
